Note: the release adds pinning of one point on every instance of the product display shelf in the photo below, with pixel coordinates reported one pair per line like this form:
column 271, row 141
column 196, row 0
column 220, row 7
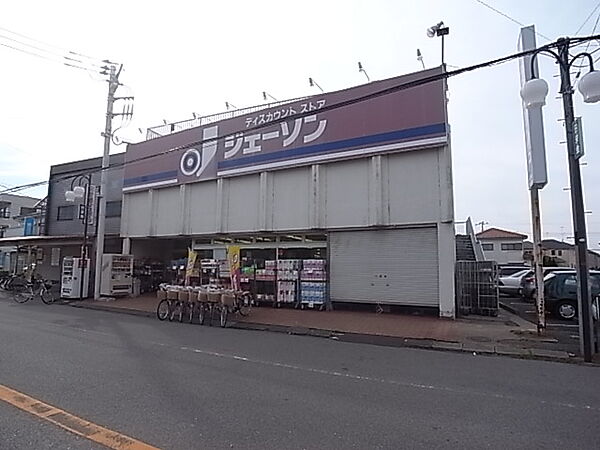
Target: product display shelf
column 313, row 285
column 265, row 284
column 288, row 279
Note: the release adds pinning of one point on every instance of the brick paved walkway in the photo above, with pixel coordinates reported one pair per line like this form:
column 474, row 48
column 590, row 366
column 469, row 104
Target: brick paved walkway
column 359, row 322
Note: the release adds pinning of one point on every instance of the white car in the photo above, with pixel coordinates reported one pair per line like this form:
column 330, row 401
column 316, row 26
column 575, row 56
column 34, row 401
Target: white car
column 511, row 284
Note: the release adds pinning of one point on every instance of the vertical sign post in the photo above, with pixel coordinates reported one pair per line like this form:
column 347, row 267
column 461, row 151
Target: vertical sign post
column 537, row 176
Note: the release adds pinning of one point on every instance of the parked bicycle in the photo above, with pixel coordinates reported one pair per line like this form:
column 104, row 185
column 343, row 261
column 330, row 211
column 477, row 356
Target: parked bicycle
column 23, row 290
column 222, row 304
column 6, row 282
column 179, row 303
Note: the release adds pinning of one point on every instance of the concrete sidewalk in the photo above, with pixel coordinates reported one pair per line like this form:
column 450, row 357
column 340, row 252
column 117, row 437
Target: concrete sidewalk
column 506, row 334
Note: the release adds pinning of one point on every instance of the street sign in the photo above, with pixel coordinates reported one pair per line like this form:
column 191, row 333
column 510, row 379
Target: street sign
column 578, row 133
column 533, row 121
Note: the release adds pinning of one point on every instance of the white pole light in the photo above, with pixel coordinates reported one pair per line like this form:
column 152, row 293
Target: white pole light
column 589, row 86
column 534, row 93
column 70, row 196
column 79, row 191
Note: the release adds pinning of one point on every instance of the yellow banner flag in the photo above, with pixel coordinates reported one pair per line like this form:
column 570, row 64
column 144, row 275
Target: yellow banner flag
column 233, row 256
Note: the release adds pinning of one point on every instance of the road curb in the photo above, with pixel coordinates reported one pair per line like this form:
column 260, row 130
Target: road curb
column 509, row 308
column 475, row 349
column 107, row 308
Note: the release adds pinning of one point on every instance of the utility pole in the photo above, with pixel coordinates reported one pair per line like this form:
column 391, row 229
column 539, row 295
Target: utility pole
column 482, row 223
column 578, row 210
column 113, row 84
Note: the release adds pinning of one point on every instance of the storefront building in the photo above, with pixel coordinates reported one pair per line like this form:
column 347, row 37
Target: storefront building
column 359, row 179
column 60, row 232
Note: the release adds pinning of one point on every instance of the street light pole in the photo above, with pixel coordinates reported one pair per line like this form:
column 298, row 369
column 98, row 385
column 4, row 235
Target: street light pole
column 70, row 196
column 578, row 210
column 86, row 220
column 534, row 96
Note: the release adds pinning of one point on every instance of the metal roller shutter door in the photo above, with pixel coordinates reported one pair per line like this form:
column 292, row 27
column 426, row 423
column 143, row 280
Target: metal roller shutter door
column 385, row 266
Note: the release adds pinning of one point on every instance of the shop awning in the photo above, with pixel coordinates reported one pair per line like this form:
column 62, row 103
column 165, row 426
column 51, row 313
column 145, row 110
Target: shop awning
column 74, row 239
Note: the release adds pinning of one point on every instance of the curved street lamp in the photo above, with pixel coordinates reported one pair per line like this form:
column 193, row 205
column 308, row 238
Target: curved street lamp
column 81, row 187
column 534, row 94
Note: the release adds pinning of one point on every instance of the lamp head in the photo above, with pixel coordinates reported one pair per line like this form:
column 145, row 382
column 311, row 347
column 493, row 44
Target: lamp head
column 589, row 86
column 79, row 191
column 70, row 196
column 534, row 93
column 360, row 67
column 432, row 31
column 310, row 81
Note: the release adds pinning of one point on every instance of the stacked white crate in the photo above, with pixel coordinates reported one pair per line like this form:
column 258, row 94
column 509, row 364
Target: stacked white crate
column 313, row 285
column 288, row 272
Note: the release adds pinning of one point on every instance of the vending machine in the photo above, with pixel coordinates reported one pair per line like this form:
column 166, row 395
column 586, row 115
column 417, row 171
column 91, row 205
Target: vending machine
column 117, row 274
column 73, row 270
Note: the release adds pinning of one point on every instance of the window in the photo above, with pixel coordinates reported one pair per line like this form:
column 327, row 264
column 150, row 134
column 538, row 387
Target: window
column 560, row 253
column 553, row 252
column 515, row 246
column 26, row 211
column 66, row 212
column 5, row 210
column 113, row 209
column 487, row 247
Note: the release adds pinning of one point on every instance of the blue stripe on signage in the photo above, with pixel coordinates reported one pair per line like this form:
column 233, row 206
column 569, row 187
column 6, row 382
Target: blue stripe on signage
column 419, row 132
column 160, row 176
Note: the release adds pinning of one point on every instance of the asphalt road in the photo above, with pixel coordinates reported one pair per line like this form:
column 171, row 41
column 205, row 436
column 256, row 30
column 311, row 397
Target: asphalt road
column 19, row 430
column 565, row 331
column 188, row 386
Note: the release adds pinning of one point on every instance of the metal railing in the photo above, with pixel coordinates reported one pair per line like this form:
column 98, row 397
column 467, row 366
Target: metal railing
column 477, row 248
column 174, row 127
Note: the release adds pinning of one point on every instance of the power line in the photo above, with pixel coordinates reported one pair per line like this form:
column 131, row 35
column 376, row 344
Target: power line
column 392, row 89
column 593, row 31
column 587, row 18
column 52, row 46
column 75, row 66
column 510, row 18
column 55, row 54
column 66, row 57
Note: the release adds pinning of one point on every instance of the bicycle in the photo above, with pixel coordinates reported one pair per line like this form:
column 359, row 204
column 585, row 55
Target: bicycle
column 6, row 282
column 234, row 302
column 27, row 290
column 166, row 306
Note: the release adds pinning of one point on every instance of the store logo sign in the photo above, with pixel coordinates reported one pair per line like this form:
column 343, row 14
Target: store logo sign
column 194, row 162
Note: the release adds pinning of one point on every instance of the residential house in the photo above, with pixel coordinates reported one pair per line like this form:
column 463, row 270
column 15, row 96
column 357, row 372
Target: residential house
column 562, row 253
column 12, row 209
column 502, row 246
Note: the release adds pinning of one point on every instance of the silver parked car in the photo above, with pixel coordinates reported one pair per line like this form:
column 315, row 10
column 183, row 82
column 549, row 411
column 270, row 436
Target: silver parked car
column 511, row 284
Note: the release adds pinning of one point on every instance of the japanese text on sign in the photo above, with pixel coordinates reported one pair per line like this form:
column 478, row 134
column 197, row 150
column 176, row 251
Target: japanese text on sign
column 286, row 111
column 308, row 129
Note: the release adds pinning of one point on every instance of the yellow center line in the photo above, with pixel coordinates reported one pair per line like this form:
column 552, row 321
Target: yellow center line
column 71, row 423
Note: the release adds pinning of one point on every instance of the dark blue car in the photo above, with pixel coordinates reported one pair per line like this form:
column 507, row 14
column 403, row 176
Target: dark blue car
column 560, row 292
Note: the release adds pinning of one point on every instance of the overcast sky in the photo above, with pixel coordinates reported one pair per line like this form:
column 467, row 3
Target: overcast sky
column 183, row 56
